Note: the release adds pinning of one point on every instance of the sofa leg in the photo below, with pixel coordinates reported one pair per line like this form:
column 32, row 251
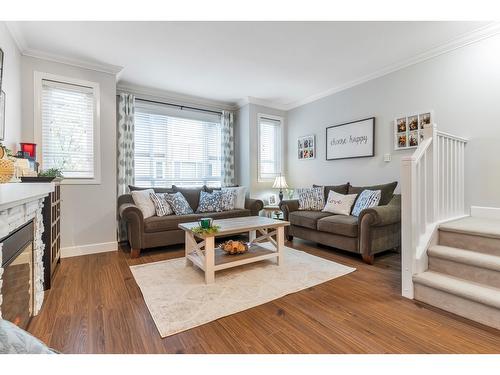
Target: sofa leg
column 289, row 238
column 368, row 258
column 135, row 253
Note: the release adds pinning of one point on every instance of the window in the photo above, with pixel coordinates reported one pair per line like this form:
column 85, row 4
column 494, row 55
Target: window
column 67, row 128
column 176, row 147
column 269, row 158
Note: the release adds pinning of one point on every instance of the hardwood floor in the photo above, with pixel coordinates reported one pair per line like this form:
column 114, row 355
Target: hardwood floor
column 95, row 306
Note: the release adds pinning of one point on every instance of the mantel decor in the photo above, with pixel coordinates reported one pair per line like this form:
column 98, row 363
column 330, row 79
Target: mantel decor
column 355, row 139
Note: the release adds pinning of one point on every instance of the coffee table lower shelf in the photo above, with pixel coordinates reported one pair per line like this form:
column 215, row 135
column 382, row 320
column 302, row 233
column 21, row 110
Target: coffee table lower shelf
column 223, row 261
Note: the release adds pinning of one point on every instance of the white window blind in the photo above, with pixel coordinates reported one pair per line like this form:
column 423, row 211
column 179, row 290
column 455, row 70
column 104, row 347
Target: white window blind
column 176, row 147
column 68, row 129
column 269, row 148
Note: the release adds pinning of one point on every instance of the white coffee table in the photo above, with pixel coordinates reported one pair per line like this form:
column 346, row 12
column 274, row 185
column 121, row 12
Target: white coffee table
column 201, row 252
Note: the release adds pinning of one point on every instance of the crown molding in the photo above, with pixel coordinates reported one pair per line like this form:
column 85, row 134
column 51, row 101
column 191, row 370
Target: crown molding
column 99, row 67
column 469, row 38
column 175, row 98
column 17, row 35
column 262, row 102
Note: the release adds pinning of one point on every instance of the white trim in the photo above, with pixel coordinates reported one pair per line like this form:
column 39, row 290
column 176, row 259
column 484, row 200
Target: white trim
column 262, row 102
column 492, row 213
column 175, row 98
column 73, row 251
column 281, row 141
column 17, row 35
column 466, row 39
column 95, row 66
column 38, row 77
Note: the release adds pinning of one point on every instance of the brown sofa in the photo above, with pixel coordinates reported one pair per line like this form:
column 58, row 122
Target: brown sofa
column 375, row 230
column 162, row 231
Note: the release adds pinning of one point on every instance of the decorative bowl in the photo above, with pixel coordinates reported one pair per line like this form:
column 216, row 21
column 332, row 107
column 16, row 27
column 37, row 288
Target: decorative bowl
column 232, row 247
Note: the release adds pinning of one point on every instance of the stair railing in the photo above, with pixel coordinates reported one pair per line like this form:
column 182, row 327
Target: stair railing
column 432, row 188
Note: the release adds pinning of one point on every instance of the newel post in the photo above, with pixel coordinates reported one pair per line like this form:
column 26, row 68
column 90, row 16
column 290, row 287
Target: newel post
column 408, row 172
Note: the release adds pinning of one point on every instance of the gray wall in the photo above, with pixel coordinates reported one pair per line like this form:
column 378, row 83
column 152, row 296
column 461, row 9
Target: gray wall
column 246, row 147
column 88, row 211
column 463, row 89
column 11, row 85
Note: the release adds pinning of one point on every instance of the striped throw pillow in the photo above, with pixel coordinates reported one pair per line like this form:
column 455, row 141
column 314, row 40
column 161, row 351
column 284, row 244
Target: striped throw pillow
column 311, row 199
column 162, row 207
column 367, row 199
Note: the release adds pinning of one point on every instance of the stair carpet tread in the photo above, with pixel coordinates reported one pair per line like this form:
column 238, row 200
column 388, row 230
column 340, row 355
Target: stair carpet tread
column 466, row 289
column 469, row 257
column 473, row 226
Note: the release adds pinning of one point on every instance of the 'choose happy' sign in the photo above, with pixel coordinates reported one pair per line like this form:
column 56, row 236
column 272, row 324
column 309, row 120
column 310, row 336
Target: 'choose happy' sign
column 351, row 140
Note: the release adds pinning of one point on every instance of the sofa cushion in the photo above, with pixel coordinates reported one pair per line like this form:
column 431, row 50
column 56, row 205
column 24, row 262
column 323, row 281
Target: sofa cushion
column 341, row 189
column 179, row 203
column 387, row 191
column 367, row 199
column 210, row 202
column 307, row 219
column 192, row 194
column 311, row 199
column 142, row 199
column 339, row 224
column 164, row 223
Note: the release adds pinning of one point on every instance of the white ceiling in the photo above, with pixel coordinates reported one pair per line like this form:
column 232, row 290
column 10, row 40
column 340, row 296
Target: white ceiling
column 280, row 63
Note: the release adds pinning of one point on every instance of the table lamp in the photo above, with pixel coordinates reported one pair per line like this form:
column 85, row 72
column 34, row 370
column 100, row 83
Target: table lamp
column 280, row 183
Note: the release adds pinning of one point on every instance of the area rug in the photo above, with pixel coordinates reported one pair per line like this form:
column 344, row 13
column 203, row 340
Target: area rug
column 178, row 298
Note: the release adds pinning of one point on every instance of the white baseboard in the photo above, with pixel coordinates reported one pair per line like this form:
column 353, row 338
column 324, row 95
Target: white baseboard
column 73, row 251
column 485, row 212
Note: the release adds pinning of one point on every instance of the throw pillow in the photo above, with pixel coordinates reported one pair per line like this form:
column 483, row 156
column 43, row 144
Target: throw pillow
column 367, row 199
column 311, row 199
column 210, row 202
column 162, row 207
column 228, row 199
column 339, row 203
column 143, row 200
column 240, row 191
column 179, row 204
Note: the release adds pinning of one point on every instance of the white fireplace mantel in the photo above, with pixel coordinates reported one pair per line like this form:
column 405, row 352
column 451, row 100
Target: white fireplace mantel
column 14, row 194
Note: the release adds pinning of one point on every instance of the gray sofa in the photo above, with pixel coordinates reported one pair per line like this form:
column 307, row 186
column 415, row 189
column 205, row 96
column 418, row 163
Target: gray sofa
column 163, row 231
column 375, row 230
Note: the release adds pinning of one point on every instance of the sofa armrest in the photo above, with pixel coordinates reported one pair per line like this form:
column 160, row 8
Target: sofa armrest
column 254, row 205
column 288, row 206
column 132, row 215
column 383, row 215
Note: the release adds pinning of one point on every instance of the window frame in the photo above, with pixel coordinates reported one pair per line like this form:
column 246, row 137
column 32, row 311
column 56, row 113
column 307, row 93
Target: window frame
column 158, row 108
column 261, row 179
column 39, row 77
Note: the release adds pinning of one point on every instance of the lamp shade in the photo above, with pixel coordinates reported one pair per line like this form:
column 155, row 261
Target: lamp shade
column 280, row 182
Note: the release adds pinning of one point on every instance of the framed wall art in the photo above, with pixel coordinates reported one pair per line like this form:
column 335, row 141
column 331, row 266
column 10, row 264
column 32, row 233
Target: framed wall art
column 408, row 130
column 355, row 139
column 306, row 147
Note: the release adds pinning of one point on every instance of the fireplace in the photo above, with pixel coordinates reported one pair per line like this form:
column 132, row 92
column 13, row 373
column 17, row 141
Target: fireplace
column 17, row 286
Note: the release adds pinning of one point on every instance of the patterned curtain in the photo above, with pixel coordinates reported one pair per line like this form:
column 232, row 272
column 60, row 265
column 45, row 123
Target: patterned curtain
column 125, row 150
column 227, row 148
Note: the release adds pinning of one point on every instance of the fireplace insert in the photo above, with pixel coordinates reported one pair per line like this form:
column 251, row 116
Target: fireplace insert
column 17, row 302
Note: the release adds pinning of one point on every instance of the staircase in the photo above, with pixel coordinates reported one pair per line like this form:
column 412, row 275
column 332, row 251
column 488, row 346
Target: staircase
column 463, row 275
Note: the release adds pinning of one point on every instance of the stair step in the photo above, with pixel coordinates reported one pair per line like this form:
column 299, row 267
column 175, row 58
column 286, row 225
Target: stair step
column 465, row 298
column 464, row 264
column 472, row 233
column 474, row 226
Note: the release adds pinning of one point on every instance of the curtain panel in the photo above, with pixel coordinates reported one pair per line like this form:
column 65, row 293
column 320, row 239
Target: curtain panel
column 125, row 150
column 227, row 122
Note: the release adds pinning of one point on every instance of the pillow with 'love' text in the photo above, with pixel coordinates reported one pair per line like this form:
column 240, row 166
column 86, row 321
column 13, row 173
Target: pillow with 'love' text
column 339, row 204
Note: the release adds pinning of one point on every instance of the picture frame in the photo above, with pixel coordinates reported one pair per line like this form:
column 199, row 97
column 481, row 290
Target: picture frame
column 273, row 200
column 409, row 129
column 306, row 147
column 350, row 140
column 2, row 115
